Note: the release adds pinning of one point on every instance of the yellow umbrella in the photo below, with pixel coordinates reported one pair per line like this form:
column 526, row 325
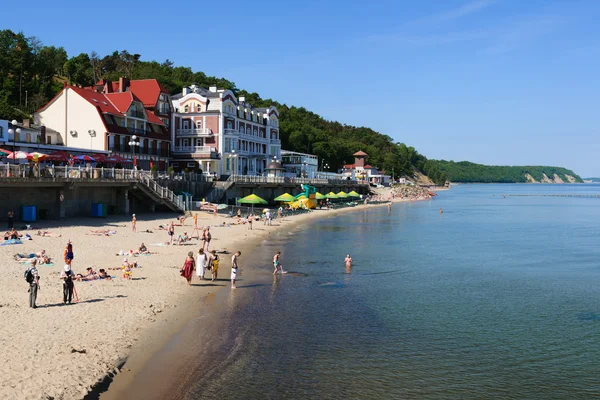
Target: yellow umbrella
column 320, row 196
column 342, row 195
column 353, row 194
column 286, row 197
column 331, row 195
column 35, row 156
column 252, row 199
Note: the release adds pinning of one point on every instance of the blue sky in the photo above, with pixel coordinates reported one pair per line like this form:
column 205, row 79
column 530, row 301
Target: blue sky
column 490, row 81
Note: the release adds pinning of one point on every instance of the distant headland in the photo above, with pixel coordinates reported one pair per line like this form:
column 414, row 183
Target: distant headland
column 468, row 172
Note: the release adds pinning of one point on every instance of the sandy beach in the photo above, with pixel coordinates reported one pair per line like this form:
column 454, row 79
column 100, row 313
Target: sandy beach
column 61, row 351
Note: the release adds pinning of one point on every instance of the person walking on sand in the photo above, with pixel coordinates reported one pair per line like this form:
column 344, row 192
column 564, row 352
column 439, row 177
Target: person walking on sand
column 201, row 263
column 171, row 232
column 67, row 277
column 207, row 238
column 133, row 221
column 250, row 218
column 215, row 265
column 33, row 278
column 11, row 219
column 268, row 218
column 189, row 265
column 234, row 267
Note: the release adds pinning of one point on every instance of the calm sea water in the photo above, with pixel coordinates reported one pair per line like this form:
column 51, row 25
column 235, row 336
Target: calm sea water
column 495, row 298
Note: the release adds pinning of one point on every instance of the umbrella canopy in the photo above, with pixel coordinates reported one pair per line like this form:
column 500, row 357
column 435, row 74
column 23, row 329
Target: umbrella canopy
column 222, row 206
column 252, row 199
column 99, row 157
column 331, row 195
column 286, row 197
column 342, row 195
column 353, row 194
column 4, row 151
column 84, row 158
column 320, row 196
column 59, row 156
column 35, row 156
column 19, row 155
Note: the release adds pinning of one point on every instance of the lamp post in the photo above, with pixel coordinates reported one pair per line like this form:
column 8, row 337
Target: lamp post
column 133, row 143
column 234, row 163
column 304, row 174
column 16, row 131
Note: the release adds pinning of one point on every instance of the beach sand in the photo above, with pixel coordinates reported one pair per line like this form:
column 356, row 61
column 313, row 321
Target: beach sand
column 61, row 351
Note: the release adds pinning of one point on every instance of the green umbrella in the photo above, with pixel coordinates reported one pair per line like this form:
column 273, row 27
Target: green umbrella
column 320, row 196
column 353, row 194
column 252, row 199
column 342, row 195
column 331, row 195
column 286, row 197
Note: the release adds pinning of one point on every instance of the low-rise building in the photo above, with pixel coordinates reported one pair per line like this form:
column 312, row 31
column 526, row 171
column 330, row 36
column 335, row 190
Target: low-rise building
column 299, row 164
column 218, row 133
column 107, row 122
column 362, row 171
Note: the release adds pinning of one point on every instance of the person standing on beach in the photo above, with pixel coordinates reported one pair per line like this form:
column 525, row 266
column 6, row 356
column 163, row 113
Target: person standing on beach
column 171, row 232
column 67, row 278
column 133, row 221
column 188, row 268
column 215, row 264
column 234, row 267
column 207, row 238
column 68, row 254
column 33, row 278
column 11, row 219
column 269, row 216
column 201, row 263
column 250, row 218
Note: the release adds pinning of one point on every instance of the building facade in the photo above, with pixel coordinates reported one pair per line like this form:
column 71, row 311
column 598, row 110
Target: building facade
column 299, row 164
column 107, row 122
column 214, row 131
column 362, row 171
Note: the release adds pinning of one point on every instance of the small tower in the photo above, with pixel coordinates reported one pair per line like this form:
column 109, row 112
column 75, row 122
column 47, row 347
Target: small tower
column 360, row 158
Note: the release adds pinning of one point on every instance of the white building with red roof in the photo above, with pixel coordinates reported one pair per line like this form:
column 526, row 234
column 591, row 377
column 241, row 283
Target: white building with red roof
column 88, row 119
column 361, row 170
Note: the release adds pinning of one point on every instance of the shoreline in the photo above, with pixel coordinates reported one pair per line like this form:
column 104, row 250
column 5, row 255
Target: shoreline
column 94, row 340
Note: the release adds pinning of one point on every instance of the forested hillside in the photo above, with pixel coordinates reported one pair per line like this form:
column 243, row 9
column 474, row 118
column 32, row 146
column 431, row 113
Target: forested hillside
column 465, row 171
column 32, row 73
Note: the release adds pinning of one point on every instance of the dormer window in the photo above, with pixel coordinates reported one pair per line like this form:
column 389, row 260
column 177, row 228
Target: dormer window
column 186, row 109
column 198, row 124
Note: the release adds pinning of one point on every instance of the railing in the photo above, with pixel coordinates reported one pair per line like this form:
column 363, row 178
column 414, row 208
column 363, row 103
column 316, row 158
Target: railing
column 194, row 132
column 138, row 131
column 162, row 191
column 288, row 180
column 230, row 132
column 54, row 173
column 202, row 150
column 136, row 114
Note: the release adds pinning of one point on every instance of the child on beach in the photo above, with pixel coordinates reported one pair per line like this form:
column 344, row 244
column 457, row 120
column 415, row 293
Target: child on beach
column 68, row 254
column 234, row 267
column 126, row 269
column 133, row 222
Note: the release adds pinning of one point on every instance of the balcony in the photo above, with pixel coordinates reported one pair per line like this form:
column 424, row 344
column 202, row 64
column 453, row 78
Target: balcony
column 197, row 151
column 137, row 131
column 136, row 114
column 201, row 132
column 230, row 132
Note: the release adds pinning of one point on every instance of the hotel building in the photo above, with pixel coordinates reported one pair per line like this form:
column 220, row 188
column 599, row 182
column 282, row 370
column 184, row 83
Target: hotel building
column 220, row 134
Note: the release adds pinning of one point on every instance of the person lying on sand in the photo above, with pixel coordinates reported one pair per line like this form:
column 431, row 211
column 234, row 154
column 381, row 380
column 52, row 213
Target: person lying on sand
column 48, row 234
column 12, row 234
column 101, row 232
column 101, row 274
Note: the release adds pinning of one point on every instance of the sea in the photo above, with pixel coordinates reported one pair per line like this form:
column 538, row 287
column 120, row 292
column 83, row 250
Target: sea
column 496, row 297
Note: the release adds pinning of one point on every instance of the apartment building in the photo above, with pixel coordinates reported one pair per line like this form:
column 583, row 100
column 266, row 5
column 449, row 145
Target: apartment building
column 214, row 131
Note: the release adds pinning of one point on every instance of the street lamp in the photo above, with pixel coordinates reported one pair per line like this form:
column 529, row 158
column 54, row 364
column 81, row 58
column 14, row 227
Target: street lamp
column 133, row 143
column 234, row 163
column 13, row 132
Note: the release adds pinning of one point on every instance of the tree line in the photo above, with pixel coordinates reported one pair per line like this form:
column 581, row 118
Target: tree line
column 32, row 73
column 465, row 171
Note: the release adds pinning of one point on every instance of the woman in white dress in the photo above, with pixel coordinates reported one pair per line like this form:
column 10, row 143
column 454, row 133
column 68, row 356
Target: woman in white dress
column 201, row 263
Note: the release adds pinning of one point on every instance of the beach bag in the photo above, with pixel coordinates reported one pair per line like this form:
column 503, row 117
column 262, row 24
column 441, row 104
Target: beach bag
column 28, row 275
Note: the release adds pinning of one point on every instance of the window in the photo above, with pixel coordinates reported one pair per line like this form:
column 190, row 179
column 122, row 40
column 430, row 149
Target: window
column 191, row 164
column 241, row 129
column 198, row 124
column 186, row 109
column 248, row 131
column 255, row 132
column 1, row 131
column 228, row 127
column 186, row 125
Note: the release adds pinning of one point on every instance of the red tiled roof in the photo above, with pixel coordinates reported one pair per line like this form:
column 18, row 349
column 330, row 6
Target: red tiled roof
column 147, row 90
column 121, row 101
column 153, row 118
column 360, row 153
column 369, row 166
column 96, row 99
column 349, row 166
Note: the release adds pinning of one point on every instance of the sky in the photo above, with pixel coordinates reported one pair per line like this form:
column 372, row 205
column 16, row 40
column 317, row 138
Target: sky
column 500, row 82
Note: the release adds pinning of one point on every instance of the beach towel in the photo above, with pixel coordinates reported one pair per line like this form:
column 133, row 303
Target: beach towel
column 159, row 244
column 41, row 265
column 11, row 242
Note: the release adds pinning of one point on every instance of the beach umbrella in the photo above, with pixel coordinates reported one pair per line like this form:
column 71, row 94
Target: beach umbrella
column 58, row 156
column 115, row 158
column 252, row 199
column 353, row 194
column 222, row 206
column 35, row 156
column 342, row 195
column 99, row 157
column 18, row 155
column 320, row 196
column 331, row 195
column 84, row 157
column 4, row 151
column 286, row 197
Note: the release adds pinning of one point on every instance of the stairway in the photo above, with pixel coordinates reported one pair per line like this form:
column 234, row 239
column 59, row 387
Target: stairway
column 160, row 194
column 218, row 191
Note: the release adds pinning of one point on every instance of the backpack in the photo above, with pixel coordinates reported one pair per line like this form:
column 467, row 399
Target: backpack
column 29, row 275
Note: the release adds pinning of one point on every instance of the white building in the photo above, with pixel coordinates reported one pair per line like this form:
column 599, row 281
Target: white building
column 299, row 164
column 216, row 132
